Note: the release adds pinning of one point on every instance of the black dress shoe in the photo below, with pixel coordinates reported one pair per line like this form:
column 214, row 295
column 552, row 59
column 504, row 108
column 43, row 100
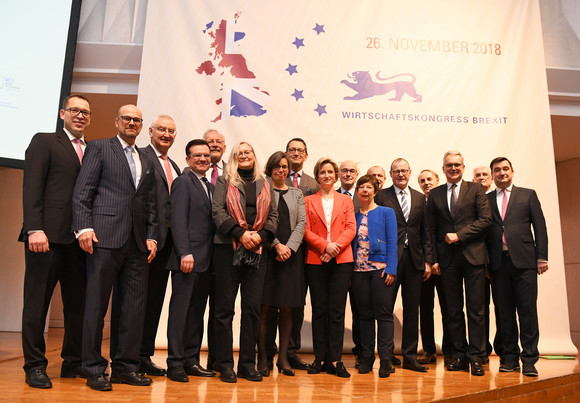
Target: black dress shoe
column 99, row 382
column 264, row 372
column 357, row 361
column 340, row 370
column 477, row 369
column 72, row 371
column 130, row 378
column 509, row 367
column 529, row 370
column 37, row 378
column 414, row 365
column 296, row 362
column 428, row 358
column 198, row 370
column 316, row 367
column 148, row 367
column 284, row 371
column 228, row 375
column 385, row 369
column 366, row 365
column 250, row 374
column 447, row 359
column 177, row 374
column 395, row 360
column 458, row 364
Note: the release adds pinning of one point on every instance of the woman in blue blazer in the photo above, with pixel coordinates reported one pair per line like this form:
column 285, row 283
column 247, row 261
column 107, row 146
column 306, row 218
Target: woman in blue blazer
column 373, row 281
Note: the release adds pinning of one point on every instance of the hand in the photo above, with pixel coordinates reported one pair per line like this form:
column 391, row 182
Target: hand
column 247, row 241
column 427, row 272
column 38, row 242
column 435, row 269
column 186, row 264
column 542, row 267
column 451, row 238
column 390, row 278
column 256, row 238
column 283, row 252
column 152, row 248
column 333, row 249
column 325, row 257
column 86, row 240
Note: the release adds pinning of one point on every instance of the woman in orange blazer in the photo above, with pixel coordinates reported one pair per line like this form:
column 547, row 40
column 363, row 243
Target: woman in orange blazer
column 330, row 228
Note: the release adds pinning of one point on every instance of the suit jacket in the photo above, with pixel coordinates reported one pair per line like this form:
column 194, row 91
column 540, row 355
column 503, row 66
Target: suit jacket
column 523, row 213
column 161, row 193
column 192, row 228
column 308, row 184
column 415, row 228
column 342, row 228
column 355, row 199
column 224, row 222
column 472, row 220
column 106, row 200
column 51, row 168
column 295, row 201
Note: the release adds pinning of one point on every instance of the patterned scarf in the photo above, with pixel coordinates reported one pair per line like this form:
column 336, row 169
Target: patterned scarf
column 241, row 254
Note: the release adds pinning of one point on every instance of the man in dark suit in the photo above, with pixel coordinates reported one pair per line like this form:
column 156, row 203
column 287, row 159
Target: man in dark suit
column 192, row 232
column 412, row 244
column 297, row 154
column 459, row 216
column 516, row 258
column 162, row 133
column 115, row 219
column 52, row 254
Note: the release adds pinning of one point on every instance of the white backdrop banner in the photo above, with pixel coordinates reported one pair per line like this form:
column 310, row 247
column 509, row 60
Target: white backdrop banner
column 368, row 82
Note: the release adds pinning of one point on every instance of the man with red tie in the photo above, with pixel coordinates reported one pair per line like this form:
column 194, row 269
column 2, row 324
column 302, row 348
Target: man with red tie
column 51, row 167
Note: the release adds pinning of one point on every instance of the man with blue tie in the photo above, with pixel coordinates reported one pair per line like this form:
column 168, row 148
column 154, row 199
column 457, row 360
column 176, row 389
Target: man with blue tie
column 115, row 220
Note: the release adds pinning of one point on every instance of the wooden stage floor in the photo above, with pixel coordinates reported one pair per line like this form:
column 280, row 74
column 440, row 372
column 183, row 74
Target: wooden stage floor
column 559, row 380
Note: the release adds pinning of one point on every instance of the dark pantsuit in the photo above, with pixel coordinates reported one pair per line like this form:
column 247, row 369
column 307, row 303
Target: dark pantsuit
column 329, row 284
column 127, row 268
column 410, row 280
column 489, row 294
column 186, row 310
column 453, row 277
column 251, row 282
column 375, row 301
column 518, row 290
column 211, row 319
column 65, row 264
column 427, row 324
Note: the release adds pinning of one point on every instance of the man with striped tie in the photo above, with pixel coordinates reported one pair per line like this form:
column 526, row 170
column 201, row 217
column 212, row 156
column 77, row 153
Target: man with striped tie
column 412, row 244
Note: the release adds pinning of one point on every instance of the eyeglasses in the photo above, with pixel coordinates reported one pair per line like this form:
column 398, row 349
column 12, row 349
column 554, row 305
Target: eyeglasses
column 128, row 119
column 215, row 141
column 349, row 171
column 165, row 130
column 245, row 153
column 401, row 171
column 456, row 165
column 296, row 150
column 199, row 156
column 282, row 167
column 75, row 112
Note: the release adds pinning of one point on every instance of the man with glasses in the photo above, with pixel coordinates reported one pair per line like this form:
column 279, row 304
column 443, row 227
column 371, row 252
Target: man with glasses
column 459, row 216
column 192, row 232
column 297, row 153
column 51, row 166
column 115, row 220
column 412, row 246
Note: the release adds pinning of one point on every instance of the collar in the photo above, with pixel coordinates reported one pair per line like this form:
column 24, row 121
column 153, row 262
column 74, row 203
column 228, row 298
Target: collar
column 299, row 173
column 509, row 188
column 124, row 144
column 451, row 184
column 398, row 190
column 71, row 137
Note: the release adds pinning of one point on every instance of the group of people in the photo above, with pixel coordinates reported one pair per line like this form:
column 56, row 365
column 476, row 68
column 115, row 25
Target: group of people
column 106, row 217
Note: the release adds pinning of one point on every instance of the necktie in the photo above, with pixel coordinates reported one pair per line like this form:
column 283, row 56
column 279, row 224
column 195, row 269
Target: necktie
column 206, row 183
column 131, row 161
column 504, row 204
column 346, row 192
column 79, row 149
column 295, row 180
column 168, row 172
column 404, row 205
column 453, row 201
column 214, row 174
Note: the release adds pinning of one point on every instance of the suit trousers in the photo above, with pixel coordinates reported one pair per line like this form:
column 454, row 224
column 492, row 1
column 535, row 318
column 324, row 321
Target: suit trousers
column 229, row 279
column 427, row 324
column 454, row 276
column 517, row 291
column 329, row 284
column 127, row 269
column 64, row 264
column 491, row 292
column 189, row 294
column 375, row 301
column 410, row 280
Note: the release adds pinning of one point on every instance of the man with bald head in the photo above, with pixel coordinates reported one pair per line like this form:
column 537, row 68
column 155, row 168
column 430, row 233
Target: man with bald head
column 482, row 175
column 217, row 148
column 379, row 173
column 348, row 174
column 115, row 221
